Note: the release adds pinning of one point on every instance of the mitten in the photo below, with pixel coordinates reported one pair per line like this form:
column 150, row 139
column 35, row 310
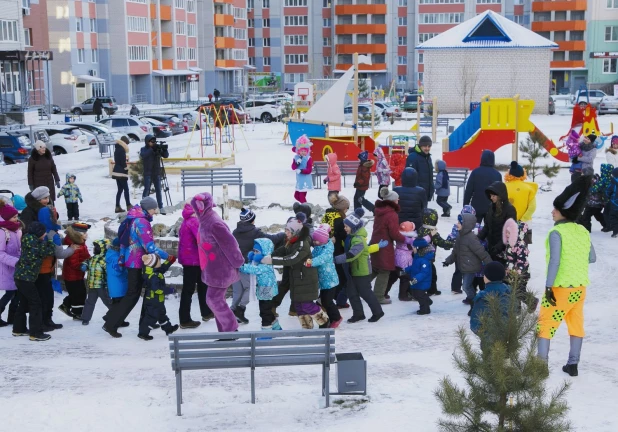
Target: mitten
column 382, row 244
column 59, row 195
column 413, row 281
column 298, row 171
column 298, row 160
column 355, row 185
column 267, row 260
column 81, row 200
column 445, row 264
column 257, row 257
column 250, row 256
column 57, row 184
column 575, row 160
column 171, row 259
column 549, row 296
column 325, row 180
column 83, row 267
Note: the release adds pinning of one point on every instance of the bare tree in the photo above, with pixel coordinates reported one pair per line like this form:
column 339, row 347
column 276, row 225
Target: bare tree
column 468, row 81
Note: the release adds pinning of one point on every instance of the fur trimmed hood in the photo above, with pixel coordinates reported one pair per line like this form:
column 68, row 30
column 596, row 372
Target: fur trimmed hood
column 368, row 164
column 34, row 154
column 123, row 145
column 380, row 204
column 73, row 237
column 510, row 232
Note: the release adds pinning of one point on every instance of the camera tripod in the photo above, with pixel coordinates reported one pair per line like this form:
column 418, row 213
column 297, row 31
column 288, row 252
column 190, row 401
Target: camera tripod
column 165, row 187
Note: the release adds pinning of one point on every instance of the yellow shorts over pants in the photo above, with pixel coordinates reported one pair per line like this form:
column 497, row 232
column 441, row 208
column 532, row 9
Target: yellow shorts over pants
column 569, row 307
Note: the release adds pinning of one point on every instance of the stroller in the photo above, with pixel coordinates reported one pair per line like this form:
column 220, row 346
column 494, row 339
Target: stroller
column 16, row 201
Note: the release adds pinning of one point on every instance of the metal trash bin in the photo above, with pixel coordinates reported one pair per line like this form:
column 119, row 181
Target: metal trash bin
column 250, row 191
column 351, row 374
column 67, row 118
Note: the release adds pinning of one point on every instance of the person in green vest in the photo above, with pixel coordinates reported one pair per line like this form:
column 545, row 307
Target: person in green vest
column 568, row 253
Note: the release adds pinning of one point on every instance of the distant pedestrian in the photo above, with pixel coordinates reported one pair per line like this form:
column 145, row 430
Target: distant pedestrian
column 134, row 110
column 443, row 189
column 42, row 170
column 420, row 159
column 71, row 193
column 97, row 108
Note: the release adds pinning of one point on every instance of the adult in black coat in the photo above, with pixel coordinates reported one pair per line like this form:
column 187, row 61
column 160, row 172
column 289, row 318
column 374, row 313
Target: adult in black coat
column 499, row 211
column 412, row 198
column 97, row 108
column 479, row 180
column 42, row 170
column 419, row 158
column 120, row 173
column 246, row 233
column 151, row 158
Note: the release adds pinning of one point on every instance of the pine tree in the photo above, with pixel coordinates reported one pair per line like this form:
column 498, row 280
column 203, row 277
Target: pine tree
column 136, row 172
column 534, row 152
column 505, row 381
column 363, row 88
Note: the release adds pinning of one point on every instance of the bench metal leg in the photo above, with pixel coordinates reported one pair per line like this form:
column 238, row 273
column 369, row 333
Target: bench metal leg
column 178, row 392
column 184, row 198
column 240, row 191
column 253, row 385
column 327, row 389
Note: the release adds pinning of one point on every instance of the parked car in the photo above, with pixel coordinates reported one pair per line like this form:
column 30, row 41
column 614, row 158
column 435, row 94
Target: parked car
column 608, row 104
column 132, row 127
column 172, row 121
column 552, row 106
column 388, row 109
column 15, row 146
column 279, row 97
column 191, row 116
column 160, row 129
column 364, row 114
column 410, row 102
column 265, row 110
column 98, row 129
column 60, row 139
column 87, row 106
column 591, row 96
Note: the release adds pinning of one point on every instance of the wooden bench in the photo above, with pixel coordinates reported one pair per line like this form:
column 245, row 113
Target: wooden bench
column 458, row 177
column 346, row 167
column 428, row 123
column 251, row 350
column 211, row 177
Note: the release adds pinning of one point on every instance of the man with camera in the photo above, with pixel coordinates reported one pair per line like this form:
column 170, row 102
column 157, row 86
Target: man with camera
column 151, row 155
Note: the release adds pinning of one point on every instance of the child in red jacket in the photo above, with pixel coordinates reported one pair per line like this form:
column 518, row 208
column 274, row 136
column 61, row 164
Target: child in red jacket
column 361, row 183
column 73, row 276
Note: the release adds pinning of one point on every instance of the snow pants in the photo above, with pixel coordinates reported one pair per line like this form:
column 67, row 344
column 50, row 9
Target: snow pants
column 154, row 312
column 224, row 317
column 569, row 307
column 77, row 296
column 192, row 277
column 240, row 291
column 93, row 295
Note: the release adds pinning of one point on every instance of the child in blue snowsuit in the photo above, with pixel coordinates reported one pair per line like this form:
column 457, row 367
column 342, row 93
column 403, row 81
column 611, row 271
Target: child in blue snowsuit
column 117, row 276
column 154, row 297
column 265, row 281
column 322, row 259
column 70, row 192
column 612, row 194
column 420, row 273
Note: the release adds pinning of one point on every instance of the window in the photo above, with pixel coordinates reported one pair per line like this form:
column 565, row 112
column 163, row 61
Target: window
column 181, row 27
column 576, row 55
column 98, row 89
column 265, row 4
column 94, row 55
column 81, row 55
column 296, row 39
column 240, row 13
column 191, row 30
column 240, row 33
column 326, row 22
column 266, row 61
column 576, row 35
column 191, row 54
column 610, row 66
column 181, row 53
column 401, row 78
column 27, row 37
column 403, row 2
column 137, row 24
column 326, row 42
column 489, row 1
column 251, row 61
column 239, row 54
column 296, row 20
column 266, row 42
column 250, row 4
column 295, row 2
column 180, row 4
column 327, row 61
column 250, row 22
column 190, row 6
column 420, row 76
column 294, row 77
column 439, row 1
column 578, row 15
column 402, row 60
column 611, row 34
column 79, row 24
column 440, row 18
column 420, row 58
column 519, row 19
column 403, row 21
column 402, row 40
column 424, row 37
column 93, row 25
column 612, row 4
column 296, row 59
column 251, row 42
column 325, row 3
column 139, row 53
column 266, row 22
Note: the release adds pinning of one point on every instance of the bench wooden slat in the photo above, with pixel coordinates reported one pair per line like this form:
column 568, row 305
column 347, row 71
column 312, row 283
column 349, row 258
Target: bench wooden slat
column 243, row 362
column 303, row 334
column 263, row 351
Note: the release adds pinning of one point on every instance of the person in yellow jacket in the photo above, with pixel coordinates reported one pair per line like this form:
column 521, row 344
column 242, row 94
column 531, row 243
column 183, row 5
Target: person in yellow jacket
column 522, row 194
column 568, row 253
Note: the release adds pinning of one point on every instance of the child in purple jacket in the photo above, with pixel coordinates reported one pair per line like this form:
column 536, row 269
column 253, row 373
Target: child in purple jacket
column 10, row 250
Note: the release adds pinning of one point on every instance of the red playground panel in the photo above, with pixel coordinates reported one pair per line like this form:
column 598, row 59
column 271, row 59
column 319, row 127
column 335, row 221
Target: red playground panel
column 344, row 146
column 470, row 155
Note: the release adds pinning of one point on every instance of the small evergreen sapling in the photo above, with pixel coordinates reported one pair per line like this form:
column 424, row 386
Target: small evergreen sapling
column 505, row 381
column 533, row 150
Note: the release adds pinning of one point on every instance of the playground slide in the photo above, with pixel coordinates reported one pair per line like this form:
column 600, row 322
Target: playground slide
column 548, row 144
column 465, row 131
column 470, row 155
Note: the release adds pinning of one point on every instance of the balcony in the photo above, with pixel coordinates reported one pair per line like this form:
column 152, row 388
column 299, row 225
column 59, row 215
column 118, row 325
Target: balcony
column 540, row 26
column 360, row 29
column 571, row 45
column 376, row 67
column 155, row 64
column 168, row 63
column 567, row 64
column 224, row 42
column 153, row 11
column 560, row 5
column 166, row 40
column 361, row 48
column 361, row 9
column 166, row 13
column 224, row 20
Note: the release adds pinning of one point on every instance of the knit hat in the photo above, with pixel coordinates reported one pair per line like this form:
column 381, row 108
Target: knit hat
column 150, row 260
column 247, row 215
column 37, row 229
column 321, row 235
column 81, row 227
column 614, row 140
column 39, row 145
column 19, row 202
column 40, row 193
column 303, row 142
column 420, row 243
column 592, row 137
column 425, row 141
column 303, row 208
column 407, row 229
column 468, row 209
column 363, row 156
column 354, row 220
column 339, row 202
column 571, row 201
column 148, row 203
column 296, row 223
column 516, row 170
column 494, row 271
column 388, row 195
column 7, row 211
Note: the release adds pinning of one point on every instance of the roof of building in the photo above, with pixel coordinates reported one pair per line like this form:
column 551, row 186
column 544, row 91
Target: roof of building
column 487, row 30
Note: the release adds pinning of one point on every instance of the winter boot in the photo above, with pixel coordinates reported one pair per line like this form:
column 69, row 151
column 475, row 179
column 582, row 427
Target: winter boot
column 129, row 207
column 376, row 317
column 571, row 369
column 125, row 324
column 66, row 310
column 208, row 317
column 321, row 318
column 336, row 324
column 239, row 312
column 306, row 321
column 3, row 323
column 40, row 337
column 169, row 329
column 84, row 322
column 52, row 324
column 18, row 333
column 119, row 210
column 403, row 293
column 112, row 333
column 145, row 337
column 424, row 310
column 190, row 325
column 276, row 326
column 355, row 319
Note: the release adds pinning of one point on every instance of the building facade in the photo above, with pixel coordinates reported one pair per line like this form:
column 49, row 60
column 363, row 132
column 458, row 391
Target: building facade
column 602, row 58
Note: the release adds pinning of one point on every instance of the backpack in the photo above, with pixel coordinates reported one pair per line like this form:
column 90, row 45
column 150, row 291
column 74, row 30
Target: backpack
column 124, row 232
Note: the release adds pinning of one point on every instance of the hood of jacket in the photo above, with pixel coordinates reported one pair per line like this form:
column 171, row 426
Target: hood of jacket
column 202, row 203
column 428, row 252
column 73, row 237
column 440, row 165
column 368, row 164
column 409, row 177
column 123, row 145
column 430, row 217
column 605, row 180
column 187, row 211
column 266, row 245
column 468, row 209
column 33, row 203
column 468, row 223
column 103, row 244
column 331, row 158
column 361, row 232
column 245, row 227
column 69, row 175
column 516, row 232
column 36, row 156
column 488, row 158
column 498, row 188
column 379, row 153
column 383, row 207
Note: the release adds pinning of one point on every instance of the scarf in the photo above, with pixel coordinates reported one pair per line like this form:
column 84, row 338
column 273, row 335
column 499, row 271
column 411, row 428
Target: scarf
column 10, row 225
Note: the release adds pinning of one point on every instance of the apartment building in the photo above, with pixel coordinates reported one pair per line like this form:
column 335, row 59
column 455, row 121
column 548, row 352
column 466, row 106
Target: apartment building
column 222, row 46
column 602, row 58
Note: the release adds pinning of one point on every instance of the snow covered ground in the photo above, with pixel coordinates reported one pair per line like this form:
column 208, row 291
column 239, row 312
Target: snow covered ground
column 84, row 380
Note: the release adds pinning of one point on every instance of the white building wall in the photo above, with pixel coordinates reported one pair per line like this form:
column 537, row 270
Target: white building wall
column 11, row 10
column 494, row 72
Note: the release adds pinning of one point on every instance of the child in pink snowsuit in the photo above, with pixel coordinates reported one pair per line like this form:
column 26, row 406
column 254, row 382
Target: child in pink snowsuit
column 333, row 174
column 303, row 165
